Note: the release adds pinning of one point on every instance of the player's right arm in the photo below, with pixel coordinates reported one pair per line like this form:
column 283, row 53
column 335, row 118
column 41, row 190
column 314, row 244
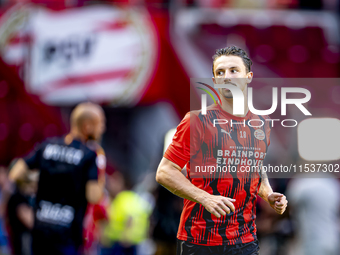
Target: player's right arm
column 169, row 175
column 23, row 165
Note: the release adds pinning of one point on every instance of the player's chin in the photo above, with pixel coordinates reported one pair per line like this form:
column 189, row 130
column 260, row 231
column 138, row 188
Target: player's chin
column 228, row 95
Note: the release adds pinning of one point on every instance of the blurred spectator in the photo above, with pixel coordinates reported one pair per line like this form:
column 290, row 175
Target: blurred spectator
column 68, row 180
column 5, row 192
column 128, row 223
column 166, row 216
column 20, row 214
column 273, row 230
column 315, row 205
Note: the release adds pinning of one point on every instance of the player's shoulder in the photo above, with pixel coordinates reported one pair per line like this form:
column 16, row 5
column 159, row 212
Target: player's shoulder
column 198, row 113
column 95, row 146
column 89, row 155
column 78, row 145
column 190, row 118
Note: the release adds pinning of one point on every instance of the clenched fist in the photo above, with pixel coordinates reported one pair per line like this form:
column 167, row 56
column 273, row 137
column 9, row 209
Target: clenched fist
column 278, row 202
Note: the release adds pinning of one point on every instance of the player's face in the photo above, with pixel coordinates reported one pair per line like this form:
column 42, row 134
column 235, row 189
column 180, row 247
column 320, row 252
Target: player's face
column 94, row 128
column 99, row 126
column 232, row 71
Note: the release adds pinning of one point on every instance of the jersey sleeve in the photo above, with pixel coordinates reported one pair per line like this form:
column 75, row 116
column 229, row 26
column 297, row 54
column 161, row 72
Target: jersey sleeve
column 33, row 159
column 92, row 167
column 186, row 140
column 101, row 162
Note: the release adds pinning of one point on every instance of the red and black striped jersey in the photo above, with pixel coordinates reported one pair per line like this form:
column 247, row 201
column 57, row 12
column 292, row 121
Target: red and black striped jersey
column 221, row 152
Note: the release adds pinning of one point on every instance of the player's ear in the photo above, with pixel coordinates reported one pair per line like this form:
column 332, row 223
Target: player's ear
column 249, row 77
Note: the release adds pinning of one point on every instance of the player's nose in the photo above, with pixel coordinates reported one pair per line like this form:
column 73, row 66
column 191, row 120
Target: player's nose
column 226, row 80
column 227, row 75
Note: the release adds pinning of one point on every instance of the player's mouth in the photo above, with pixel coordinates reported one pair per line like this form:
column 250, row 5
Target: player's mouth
column 229, row 83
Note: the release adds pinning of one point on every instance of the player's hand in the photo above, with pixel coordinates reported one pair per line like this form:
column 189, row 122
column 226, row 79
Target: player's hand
column 219, row 205
column 278, row 202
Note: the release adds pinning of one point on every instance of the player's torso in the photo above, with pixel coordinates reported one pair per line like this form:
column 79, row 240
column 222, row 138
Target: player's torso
column 61, row 200
column 228, row 147
column 220, row 164
column 62, row 170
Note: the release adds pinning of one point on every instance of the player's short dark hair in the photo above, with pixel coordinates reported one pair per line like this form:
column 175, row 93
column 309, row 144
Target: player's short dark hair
column 233, row 51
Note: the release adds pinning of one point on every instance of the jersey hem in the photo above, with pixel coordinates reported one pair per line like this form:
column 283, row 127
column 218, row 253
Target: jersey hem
column 182, row 238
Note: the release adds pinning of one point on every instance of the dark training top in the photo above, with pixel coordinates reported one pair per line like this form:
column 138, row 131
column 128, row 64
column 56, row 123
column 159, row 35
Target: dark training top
column 218, row 150
column 61, row 196
column 19, row 233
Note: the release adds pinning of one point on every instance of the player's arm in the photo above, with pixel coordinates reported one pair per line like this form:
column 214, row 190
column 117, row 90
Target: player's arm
column 276, row 200
column 22, row 166
column 19, row 170
column 169, row 175
column 26, row 215
column 94, row 191
column 94, row 185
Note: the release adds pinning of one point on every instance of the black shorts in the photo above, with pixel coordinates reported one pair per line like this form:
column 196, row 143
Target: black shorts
column 186, row 248
column 52, row 245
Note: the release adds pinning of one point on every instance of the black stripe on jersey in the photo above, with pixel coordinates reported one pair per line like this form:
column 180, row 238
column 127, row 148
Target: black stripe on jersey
column 236, row 181
column 188, row 223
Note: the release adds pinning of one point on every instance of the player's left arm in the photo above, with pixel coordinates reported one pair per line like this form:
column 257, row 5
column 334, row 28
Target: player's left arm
column 276, row 200
column 94, row 186
column 94, row 191
column 18, row 170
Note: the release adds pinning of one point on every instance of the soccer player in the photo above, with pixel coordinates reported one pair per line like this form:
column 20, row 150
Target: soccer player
column 218, row 216
column 68, row 180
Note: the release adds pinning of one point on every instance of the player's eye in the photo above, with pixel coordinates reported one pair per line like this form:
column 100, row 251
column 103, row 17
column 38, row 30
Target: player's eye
column 233, row 71
column 219, row 73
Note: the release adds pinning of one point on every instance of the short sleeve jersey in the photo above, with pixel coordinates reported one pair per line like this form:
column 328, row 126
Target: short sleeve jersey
column 61, row 196
column 218, row 150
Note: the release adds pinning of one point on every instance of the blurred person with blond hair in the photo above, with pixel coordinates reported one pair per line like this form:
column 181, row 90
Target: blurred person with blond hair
column 68, row 181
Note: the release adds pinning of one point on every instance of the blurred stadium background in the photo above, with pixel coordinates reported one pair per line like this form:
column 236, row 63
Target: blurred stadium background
column 136, row 58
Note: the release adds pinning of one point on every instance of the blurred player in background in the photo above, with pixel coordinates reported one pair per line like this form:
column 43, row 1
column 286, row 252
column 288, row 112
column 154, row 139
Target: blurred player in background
column 96, row 214
column 20, row 214
column 219, row 213
column 68, row 180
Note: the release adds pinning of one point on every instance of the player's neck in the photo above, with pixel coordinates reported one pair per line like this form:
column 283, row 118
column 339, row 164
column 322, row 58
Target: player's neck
column 227, row 105
column 74, row 135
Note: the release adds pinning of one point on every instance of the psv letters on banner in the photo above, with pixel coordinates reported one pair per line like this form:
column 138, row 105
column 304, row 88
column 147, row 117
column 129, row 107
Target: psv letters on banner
column 102, row 54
